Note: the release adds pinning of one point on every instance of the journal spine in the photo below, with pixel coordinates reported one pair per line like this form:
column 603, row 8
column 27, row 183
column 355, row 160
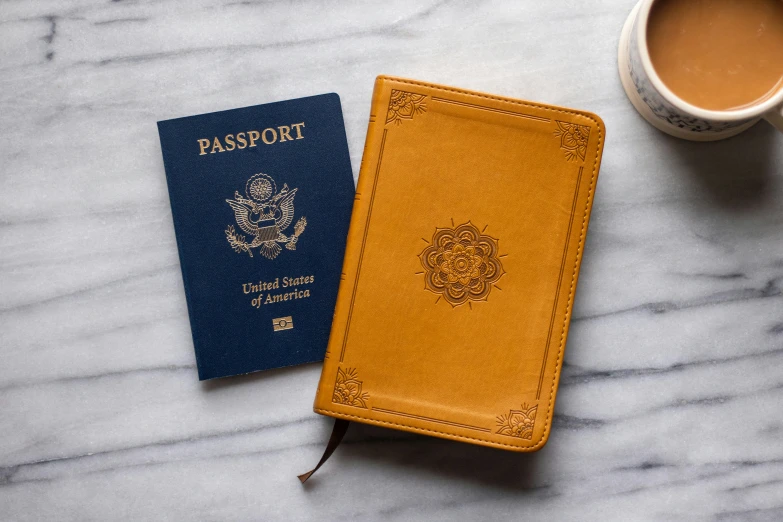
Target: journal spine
column 365, row 188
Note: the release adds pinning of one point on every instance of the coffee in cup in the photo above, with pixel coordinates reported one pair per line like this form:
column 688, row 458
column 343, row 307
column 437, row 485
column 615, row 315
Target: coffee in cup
column 704, row 70
column 718, row 54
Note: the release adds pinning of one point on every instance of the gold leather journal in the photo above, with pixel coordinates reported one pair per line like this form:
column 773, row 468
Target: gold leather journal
column 462, row 260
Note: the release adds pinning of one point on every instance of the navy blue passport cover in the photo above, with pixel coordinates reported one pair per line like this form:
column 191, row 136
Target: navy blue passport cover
column 261, row 199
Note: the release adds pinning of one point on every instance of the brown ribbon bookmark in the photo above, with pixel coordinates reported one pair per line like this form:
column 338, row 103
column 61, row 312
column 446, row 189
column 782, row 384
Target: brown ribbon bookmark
column 340, row 427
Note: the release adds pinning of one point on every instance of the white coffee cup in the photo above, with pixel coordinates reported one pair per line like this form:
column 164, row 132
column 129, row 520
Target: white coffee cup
column 667, row 111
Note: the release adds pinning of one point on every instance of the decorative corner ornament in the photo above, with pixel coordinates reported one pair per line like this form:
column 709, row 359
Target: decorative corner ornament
column 573, row 139
column 263, row 214
column 348, row 389
column 518, row 423
column 405, row 105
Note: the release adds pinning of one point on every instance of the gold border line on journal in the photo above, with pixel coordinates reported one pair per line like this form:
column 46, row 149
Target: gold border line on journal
column 569, row 156
column 492, row 109
column 431, row 419
column 364, row 242
column 559, row 283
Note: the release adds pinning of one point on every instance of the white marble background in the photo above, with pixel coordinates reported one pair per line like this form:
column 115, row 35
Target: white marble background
column 671, row 404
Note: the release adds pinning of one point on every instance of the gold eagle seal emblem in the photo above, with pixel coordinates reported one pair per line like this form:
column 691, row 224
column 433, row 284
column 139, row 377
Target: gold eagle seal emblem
column 264, row 213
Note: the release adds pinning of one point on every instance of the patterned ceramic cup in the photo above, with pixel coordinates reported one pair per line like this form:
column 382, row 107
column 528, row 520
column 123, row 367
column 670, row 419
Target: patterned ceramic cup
column 668, row 112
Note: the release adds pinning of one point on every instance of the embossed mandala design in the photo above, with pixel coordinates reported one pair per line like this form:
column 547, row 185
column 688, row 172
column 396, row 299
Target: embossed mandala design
column 348, row 389
column 461, row 264
column 404, row 105
column 518, row 423
column 573, row 139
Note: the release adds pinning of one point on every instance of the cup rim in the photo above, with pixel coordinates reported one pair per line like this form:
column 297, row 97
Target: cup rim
column 732, row 115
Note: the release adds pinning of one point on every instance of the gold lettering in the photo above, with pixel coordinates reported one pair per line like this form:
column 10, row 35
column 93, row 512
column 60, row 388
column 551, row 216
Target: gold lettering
column 216, row 145
column 298, row 130
column 243, row 140
column 274, row 136
column 285, row 133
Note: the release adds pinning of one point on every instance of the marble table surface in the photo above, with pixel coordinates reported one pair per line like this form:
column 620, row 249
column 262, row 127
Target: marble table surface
column 671, row 402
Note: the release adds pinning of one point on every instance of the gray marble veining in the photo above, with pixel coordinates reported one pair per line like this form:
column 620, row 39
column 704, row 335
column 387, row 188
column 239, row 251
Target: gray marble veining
column 671, row 402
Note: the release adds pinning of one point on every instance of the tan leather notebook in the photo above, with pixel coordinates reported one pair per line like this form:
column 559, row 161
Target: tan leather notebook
column 462, row 261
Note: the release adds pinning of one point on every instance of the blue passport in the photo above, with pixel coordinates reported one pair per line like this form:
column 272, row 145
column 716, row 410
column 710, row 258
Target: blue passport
column 261, row 199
